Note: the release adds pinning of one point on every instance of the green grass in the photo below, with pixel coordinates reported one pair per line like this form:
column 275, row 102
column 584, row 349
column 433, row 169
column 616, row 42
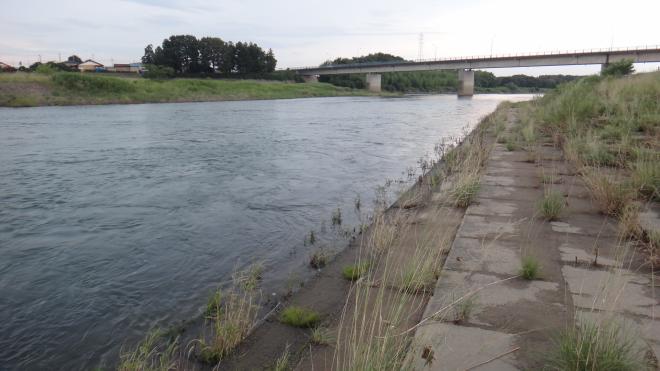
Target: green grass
column 66, row 88
column 300, row 317
column 249, row 278
column 232, row 315
column 465, row 190
column 322, row 336
column 551, row 205
column 355, row 271
column 151, row 354
column 596, row 347
column 529, row 268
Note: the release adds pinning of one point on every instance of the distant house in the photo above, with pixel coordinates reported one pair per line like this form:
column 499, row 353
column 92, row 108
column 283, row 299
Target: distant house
column 89, row 65
column 136, row 67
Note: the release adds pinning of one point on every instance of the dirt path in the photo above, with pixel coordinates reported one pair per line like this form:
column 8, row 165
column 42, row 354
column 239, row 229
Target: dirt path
column 509, row 323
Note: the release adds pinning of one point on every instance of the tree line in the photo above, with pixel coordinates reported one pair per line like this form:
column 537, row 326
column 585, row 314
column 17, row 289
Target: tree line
column 439, row 81
column 185, row 54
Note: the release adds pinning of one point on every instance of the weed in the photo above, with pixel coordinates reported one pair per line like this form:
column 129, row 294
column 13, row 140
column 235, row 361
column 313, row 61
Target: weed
column 610, row 195
column 300, row 317
column 355, row 271
column 312, row 237
column 596, row 347
column 150, row 354
column 529, row 268
column 322, row 336
column 318, row 259
column 510, row 146
column 418, row 278
column 282, row 362
column 629, row 221
column 551, row 205
column 249, row 278
column 465, row 190
column 336, row 217
column 357, row 202
column 646, row 178
column 463, row 309
column 234, row 317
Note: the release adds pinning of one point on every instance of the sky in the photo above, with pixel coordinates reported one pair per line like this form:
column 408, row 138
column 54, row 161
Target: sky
column 308, row 32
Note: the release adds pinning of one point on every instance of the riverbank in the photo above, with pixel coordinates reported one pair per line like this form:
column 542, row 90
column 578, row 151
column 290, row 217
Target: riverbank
column 66, row 89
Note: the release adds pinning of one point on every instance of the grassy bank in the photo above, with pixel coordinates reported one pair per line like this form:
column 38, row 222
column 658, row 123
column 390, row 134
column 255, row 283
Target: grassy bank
column 61, row 89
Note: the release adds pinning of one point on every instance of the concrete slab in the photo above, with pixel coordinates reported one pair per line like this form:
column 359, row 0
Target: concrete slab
column 615, row 290
column 462, row 348
column 509, row 193
column 488, row 227
column 475, row 255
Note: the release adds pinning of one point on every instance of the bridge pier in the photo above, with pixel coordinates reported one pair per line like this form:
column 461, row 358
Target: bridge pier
column 465, row 83
column 310, row 78
column 373, row 82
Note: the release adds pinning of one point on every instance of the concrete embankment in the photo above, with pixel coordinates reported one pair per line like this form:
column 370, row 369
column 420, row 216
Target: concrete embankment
column 586, row 273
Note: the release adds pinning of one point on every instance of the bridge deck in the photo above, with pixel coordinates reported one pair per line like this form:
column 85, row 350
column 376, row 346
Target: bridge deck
column 637, row 55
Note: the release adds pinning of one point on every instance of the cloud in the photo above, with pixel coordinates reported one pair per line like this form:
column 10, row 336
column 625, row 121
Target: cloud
column 311, row 31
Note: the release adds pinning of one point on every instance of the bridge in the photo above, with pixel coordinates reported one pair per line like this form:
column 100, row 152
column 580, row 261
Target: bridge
column 467, row 65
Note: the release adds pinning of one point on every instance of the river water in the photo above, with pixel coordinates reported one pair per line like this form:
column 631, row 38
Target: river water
column 115, row 219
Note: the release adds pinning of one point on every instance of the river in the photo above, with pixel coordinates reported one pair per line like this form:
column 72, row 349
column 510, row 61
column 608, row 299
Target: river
column 115, row 219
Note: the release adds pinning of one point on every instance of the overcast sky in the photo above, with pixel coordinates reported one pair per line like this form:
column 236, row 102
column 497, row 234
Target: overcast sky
column 308, row 32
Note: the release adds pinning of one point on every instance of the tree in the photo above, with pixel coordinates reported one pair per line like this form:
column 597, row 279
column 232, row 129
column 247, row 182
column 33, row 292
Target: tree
column 620, row 68
column 74, row 59
column 212, row 52
column 186, row 54
column 149, row 56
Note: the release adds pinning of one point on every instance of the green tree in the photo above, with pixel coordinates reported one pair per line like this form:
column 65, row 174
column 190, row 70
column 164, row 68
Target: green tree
column 620, row 68
column 74, row 59
column 149, row 56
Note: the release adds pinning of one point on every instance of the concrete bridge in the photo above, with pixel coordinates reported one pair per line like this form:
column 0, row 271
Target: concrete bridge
column 466, row 66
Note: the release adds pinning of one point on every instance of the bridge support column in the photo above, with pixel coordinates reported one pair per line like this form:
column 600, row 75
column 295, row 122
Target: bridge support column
column 373, row 82
column 465, row 83
column 603, row 67
column 310, row 78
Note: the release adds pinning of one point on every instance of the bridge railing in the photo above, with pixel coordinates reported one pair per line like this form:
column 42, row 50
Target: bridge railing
column 480, row 57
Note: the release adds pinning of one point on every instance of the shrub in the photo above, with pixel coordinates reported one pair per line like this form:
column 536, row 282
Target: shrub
column 551, row 205
column 355, row 271
column 591, row 347
column 300, row 317
column 529, row 268
column 155, row 72
column 620, row 68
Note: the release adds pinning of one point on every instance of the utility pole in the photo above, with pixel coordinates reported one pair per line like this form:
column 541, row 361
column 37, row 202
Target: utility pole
column 39, row 58
column 420, row 52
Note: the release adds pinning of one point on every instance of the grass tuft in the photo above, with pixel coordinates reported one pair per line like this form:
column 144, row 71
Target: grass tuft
column 551, row 205
column 233, row 316
column 300, row 317
column 150, row 354
column 529, row 268
column 322, row 336
column 319, row 259
column 596, row 347
column 465, row 190
column 355, row 271
column 610, row 195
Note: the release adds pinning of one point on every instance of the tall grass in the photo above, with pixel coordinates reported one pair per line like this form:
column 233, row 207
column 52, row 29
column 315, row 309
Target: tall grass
column 66, row 88
column 152, row 354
